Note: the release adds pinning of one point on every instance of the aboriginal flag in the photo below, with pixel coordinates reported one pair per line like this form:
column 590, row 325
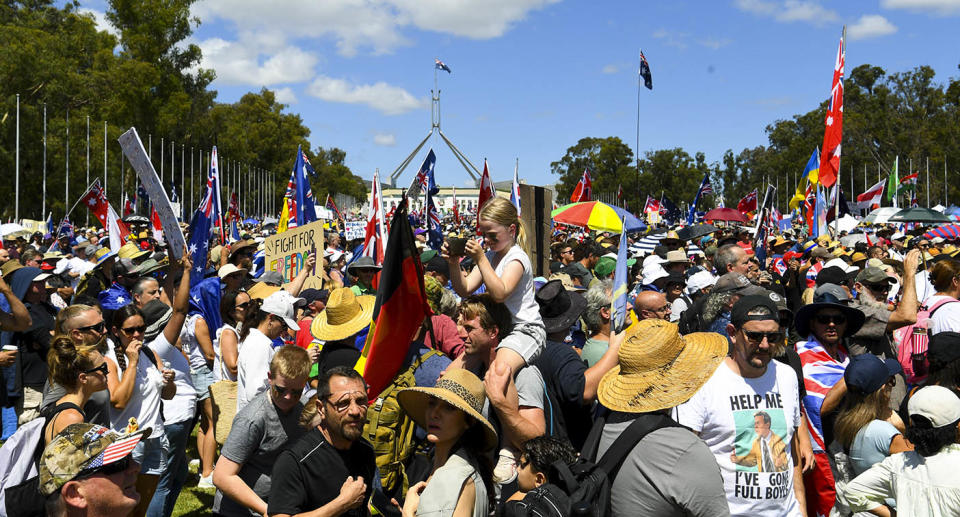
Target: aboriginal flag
column 400, row 308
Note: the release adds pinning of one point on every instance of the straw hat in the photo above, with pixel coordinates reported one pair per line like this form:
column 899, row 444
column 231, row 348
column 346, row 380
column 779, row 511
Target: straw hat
column 345, row 315
column 658, row 368
column 459, row 388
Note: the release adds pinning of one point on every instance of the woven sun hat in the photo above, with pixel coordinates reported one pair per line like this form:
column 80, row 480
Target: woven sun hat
column 658, row 368
column 345, row 315
column 459, row 388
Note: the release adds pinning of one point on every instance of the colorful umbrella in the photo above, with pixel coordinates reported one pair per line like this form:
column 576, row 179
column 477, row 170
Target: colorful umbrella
column 597, row 216
column 947, row 231
column 725, row 214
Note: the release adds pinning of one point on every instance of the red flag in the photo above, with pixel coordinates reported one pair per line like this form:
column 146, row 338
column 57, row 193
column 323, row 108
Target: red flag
column 127, row 205
column 97, row 203
column 619, row 192
column 155, row 224
column 584, row 189
column 456, row 207
column 748, row 203
column 830, row 157
column 487, row 192
column 652, row 205
column 400, row 308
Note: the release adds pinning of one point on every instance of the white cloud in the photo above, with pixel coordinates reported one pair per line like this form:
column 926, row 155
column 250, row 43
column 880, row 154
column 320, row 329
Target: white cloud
column 256, row 60
column 371, row 24
column 385, row 139
column 714, row 43
column 870, row 26
column 383, row 97
column 610, row 69
column 938, row 7
column 100, row 18
column 674, row 39
column 285, row 95
column 789, row 10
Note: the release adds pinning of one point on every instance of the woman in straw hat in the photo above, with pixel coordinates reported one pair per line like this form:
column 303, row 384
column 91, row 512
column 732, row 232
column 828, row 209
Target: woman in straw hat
column 461, row 481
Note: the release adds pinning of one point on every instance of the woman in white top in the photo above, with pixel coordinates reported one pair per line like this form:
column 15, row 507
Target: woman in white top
column 461, row 480
column 946, row 310
column 197, row 341
column 265, row 321
column 233, row 309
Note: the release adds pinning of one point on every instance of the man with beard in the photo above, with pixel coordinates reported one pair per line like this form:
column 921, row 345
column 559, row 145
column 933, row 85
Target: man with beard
column 330, row 470
column 264, row 427
column 748, row 414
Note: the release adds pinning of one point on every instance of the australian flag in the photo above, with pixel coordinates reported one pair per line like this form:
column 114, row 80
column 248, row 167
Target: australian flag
column 645, row 72
column 420, row 181
column 705, row 188
column 305, row 211
column 440, row 65
column 434, row 230
column 199, row 232
column 669, row 210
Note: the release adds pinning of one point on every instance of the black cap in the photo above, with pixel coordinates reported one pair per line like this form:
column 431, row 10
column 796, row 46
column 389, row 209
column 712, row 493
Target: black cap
column 944, row 348
column 831, row 275
column 867, row 373
column 311, row 295
column 739, row 314
column 438, row 264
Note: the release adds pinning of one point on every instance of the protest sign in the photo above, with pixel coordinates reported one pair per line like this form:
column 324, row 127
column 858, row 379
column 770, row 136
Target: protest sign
column 137, row 155
column 287, row 252
column 355, row 230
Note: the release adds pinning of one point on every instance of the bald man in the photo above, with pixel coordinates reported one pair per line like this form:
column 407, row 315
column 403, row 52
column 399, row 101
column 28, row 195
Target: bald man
column 651, row 305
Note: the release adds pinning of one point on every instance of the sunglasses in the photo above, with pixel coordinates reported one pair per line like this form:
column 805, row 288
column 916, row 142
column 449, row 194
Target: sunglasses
column 133, row 330
column 878, row 288
column 757, row 337
column 108, row 469
column 343, row 405
column 826, row 319
column 99, row 328
column 282, row 392
column 100, row 369
column 243, row 305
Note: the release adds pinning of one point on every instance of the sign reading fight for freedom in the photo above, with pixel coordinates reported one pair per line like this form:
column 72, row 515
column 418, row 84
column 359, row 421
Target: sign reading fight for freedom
column 287, row 252
column 133, row 149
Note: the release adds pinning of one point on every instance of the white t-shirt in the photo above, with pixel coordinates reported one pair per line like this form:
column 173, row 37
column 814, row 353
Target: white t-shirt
column 144, row 403
column 946, row 317
column 191, row 347
column 728, row 412
column 521, row 301
column 183, row 405
column 253, row 364
column 220, row 371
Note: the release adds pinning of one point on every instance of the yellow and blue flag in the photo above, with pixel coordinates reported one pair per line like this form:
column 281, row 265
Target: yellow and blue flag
column 811, row 173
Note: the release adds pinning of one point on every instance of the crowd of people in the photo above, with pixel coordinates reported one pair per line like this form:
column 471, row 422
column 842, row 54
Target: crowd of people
column 783, row 377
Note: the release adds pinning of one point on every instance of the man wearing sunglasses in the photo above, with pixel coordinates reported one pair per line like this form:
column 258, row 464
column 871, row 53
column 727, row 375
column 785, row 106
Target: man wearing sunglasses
column 88, row 470
column 825, row 325
column 264, row 427
column 748, row 414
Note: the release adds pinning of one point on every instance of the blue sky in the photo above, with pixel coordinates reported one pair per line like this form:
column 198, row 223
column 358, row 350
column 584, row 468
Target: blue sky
column 531, row 77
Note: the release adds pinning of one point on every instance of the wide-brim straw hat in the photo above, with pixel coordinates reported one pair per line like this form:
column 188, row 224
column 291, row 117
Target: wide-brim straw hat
column 658, row 368
column 345, row 315
column 459, row 388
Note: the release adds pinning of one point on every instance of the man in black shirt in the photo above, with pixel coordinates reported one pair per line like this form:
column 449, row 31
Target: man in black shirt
column 33, row 343
column 331, row 468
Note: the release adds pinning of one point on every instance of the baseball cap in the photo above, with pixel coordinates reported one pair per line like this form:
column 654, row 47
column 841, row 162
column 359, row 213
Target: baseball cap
column 605, row 266
column 83, row 449
column 867, row 373
column 737, row 283
column 874, row 275
column 831, row 275
column 739, row 314
column 944, row 348
column 272, row 278
column 311, row 295
column 699, row 280
column 938, row 405
column 283, row 305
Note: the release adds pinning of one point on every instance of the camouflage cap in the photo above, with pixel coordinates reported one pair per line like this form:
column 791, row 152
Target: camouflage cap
column 80, row 449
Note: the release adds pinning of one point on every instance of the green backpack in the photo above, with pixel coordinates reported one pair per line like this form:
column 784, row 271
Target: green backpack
column 391, row 431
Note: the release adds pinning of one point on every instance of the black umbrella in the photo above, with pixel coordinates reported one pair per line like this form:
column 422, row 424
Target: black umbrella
column 136, row 219
column 919, row 215
column 696, row 231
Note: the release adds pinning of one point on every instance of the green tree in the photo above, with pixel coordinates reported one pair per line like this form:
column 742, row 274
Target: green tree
column 609, row 160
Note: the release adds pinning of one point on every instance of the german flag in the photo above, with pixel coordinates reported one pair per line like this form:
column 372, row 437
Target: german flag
column 400, row 308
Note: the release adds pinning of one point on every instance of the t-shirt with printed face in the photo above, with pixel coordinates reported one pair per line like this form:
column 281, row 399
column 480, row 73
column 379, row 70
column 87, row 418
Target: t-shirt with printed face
column 748, row 424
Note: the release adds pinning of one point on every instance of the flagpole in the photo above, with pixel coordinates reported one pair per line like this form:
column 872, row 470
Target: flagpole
column 183, row 186
column 16, row 210
column 638, row 133
column 66, row 197
column 928, row 181
column 44, row 204
column 105, row 160
column 945, row 200
column 88, row 162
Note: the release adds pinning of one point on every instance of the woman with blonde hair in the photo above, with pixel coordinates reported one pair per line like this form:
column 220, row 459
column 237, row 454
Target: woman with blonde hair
column 82, row 371
column 460, row 483
column 865, row 425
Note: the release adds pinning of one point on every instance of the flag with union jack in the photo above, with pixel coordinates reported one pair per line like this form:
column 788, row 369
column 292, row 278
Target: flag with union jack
column 199, row 231
column 440, row 65
column 584, row 189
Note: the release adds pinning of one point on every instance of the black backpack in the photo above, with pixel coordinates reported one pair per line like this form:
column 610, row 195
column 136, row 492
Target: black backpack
column 583, row 488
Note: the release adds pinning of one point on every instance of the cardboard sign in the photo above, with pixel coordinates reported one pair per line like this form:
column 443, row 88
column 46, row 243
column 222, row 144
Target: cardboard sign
column 355, row 230
column 287, row 252
column 137, row 155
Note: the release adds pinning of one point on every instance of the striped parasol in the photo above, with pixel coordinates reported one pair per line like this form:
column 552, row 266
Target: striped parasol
column 947, row 231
